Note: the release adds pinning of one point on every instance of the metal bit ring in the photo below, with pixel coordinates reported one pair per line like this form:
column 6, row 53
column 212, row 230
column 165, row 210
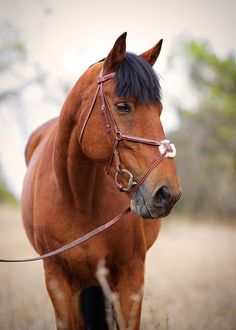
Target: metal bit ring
column 130, row 182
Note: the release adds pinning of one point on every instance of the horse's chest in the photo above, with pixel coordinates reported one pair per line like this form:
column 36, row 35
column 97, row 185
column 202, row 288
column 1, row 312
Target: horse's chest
column 83, row 262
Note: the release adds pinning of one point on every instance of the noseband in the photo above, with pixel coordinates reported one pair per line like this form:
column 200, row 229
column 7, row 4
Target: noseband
column 166, row 149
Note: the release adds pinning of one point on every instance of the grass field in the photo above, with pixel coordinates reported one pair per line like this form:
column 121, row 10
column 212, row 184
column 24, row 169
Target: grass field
column 190, row 279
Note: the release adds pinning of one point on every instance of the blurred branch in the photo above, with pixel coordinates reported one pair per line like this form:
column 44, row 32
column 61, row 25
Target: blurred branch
column 206, row 136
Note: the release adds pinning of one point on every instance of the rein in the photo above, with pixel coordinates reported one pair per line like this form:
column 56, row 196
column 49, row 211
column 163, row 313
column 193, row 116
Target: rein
column 74, row 243
column 166, row 149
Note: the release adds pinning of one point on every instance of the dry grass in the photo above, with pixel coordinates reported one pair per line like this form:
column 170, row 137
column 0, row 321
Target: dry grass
column 190, row 279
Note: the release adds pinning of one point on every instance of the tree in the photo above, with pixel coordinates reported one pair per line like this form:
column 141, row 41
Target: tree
column 5, row 194
column 14, row 80
column 206, row 137
column 18, row 76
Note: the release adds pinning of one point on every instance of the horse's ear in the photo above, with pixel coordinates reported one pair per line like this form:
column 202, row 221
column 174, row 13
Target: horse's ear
column 116, row 55
column 152, row 54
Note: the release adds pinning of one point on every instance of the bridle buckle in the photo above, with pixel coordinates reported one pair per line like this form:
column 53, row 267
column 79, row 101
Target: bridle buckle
column 118, row 136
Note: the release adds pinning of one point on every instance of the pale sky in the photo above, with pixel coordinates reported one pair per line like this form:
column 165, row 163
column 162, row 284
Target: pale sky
column 66, row 36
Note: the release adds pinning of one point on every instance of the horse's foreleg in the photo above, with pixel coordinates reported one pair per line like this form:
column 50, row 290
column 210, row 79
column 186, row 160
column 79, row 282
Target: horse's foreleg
column 64, row 298
column 130, row 295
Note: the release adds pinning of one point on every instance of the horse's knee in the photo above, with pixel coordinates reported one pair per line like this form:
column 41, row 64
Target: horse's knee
column 64, row 297
column 130, row 295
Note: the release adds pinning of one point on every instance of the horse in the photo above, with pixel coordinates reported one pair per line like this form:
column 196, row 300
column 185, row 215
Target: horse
column 106, row 137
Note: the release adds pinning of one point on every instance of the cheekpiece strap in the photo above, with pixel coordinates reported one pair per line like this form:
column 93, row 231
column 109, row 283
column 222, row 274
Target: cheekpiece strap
column 108, row 76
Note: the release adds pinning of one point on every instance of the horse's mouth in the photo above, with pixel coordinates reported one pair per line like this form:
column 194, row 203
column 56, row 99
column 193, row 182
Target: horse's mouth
column 141, row 209
column 140, row 206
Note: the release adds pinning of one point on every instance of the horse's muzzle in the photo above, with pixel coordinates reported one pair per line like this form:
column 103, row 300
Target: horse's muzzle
column 156, row 205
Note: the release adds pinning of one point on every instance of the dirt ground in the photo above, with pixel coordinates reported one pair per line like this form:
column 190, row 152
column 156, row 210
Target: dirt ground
column 190, row 279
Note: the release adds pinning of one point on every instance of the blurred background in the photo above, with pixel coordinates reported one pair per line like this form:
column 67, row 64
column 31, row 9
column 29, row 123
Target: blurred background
column 45, row 45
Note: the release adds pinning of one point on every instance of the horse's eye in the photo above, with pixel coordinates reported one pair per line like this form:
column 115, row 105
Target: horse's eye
column 123, row 107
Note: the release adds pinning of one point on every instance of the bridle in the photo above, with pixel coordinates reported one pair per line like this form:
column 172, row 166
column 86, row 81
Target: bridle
column 166, row 149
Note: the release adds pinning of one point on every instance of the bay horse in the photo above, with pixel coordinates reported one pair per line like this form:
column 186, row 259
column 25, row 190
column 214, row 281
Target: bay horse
column 105, row 136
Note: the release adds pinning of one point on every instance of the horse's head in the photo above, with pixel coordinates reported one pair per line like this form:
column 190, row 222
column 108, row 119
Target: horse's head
column 121, row 126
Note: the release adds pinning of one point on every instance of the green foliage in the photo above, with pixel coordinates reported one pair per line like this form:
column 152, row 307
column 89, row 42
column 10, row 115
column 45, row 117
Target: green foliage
column 6, row 197
column 12, row 50
column 206, row 138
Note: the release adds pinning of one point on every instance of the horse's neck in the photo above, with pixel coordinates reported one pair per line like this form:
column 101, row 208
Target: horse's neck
column 76, row 174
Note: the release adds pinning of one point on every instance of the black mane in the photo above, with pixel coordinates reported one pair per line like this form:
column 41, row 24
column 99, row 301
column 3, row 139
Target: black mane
column 135, row 77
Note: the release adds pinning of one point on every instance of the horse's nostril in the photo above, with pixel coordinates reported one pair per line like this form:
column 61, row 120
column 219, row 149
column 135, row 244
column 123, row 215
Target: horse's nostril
column 162, row 197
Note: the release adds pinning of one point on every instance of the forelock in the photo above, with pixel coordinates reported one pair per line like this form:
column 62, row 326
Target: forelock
column 135, row 77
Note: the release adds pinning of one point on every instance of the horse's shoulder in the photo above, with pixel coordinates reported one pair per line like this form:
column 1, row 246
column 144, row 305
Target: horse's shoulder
column 38, row 136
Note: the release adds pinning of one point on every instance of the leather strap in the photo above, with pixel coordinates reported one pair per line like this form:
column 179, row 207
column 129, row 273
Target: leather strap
column 99, row 87
column 144, row 177
column 139, row 140
column 76, row 242
column 108, row 76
